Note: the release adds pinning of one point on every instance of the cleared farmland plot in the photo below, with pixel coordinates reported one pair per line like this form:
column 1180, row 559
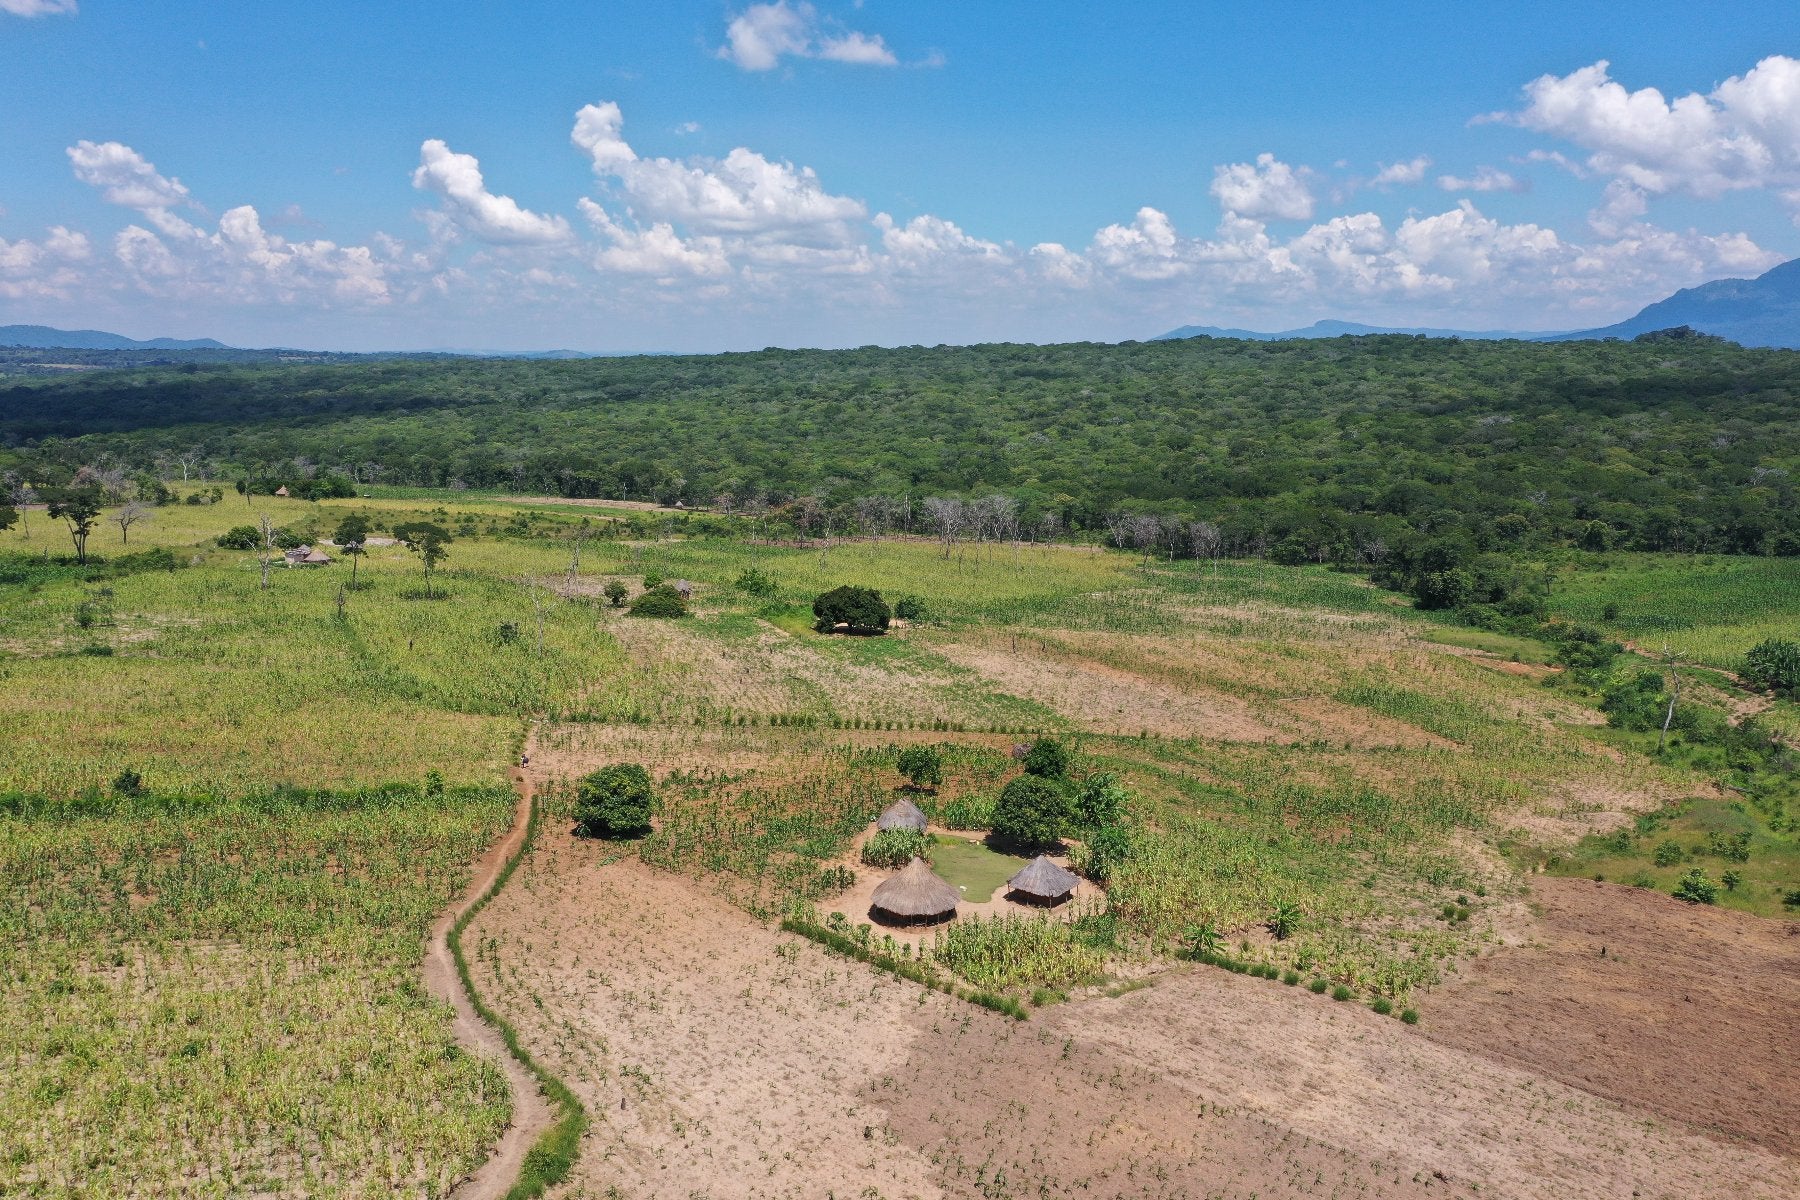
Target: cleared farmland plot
column 1286, row 737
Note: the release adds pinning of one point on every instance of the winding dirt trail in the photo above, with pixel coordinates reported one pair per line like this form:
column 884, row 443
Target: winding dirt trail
column 531, row 1114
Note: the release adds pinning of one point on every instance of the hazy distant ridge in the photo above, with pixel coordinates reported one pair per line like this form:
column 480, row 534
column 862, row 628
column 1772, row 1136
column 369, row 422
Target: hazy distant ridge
column 1764, row 311
column 43, row 337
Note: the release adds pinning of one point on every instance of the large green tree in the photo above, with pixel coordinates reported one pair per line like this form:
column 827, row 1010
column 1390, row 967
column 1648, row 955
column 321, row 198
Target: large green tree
column 79, row 506
column 430, row 542
column 1031, row 814
column 615, row 802
column 860, row 609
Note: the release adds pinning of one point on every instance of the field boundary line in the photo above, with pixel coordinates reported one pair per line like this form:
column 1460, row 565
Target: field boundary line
column 538, row 1148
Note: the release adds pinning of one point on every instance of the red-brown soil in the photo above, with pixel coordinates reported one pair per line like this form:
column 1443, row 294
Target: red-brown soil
column 1689, row 1014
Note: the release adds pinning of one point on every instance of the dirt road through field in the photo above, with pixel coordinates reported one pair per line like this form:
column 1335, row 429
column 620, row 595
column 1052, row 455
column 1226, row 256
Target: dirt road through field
column 531, row 1114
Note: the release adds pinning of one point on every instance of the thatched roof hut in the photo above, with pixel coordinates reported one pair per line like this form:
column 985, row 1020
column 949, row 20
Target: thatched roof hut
column 1043, row 882
column 282, row 490
column 915, row 895
column 903, row 814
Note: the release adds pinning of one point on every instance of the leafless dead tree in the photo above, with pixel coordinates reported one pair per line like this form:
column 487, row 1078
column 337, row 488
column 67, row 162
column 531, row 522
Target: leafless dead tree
column 132, row 512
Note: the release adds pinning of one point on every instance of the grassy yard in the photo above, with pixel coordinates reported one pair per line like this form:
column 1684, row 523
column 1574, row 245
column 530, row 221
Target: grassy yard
column 972, row 867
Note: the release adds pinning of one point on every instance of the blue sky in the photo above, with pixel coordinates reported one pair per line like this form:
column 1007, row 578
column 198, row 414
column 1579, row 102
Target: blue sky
column 689, row 175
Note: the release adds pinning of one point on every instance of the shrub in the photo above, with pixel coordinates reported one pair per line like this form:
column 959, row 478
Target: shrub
column 1696, row 888
column 1382, row 1006
column 652, row 581
column 1101, row 854
column 615, row 801
column 911, row 608
column 128, row 783
column 1031, row 814
column 1340, row 993
column 659, row 601
column 1774, row 665
column 1285, row 921
column 754, row 583
column 861, row 609
column 1731, row 880
column 896, row 848
column 1291, row 978
column 1668, row 854
column 923, row 766
column 1410, row 1015
column 1100, row 803
column 240, row 537
column 1318, row 987
column 616, row 591
column 1047, row 759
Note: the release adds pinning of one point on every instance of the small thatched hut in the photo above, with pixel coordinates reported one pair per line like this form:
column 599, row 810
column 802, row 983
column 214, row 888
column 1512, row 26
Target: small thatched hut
column 915, row 896
column 282, row 490
column 307, row 556
column 1043, row 882
column 903, row 814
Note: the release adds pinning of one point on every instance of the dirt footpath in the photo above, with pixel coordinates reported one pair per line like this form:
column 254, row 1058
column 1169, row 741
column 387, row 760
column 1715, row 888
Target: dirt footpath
column 1692, row 1013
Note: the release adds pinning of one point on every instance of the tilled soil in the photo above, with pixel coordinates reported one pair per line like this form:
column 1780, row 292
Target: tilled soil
column 1682, row 1010
column 721, row 1058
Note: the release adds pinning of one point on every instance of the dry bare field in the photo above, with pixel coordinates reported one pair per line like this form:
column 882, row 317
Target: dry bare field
column 722, row 1058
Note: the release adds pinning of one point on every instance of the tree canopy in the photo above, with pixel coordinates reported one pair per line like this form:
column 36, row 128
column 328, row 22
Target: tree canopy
column 861, row 609
column 1331, row 449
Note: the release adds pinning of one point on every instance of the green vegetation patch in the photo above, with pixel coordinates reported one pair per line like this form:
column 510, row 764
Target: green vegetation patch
column 972, row 867
column 197, row 988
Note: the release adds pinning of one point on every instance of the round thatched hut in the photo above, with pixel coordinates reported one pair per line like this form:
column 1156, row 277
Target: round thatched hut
column 915, row 896
column 1043, row 882
column 904, row 814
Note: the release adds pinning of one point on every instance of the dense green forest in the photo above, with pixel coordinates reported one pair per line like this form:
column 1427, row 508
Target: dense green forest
column 1338, row 449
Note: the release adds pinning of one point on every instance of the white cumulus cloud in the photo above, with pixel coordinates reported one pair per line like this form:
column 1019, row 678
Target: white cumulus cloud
column 486, row 216
column 127, row 177
column 1402, row 174
column 742, row 194
column 1745, row 133
column 758, row 38
column 1267, row 188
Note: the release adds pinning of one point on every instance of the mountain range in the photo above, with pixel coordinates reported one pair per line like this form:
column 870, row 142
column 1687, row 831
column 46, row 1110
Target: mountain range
column 1764, row 311
column 42, row 337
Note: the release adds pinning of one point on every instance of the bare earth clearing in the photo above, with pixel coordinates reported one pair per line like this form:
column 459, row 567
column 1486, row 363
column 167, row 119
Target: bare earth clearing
column 1690, row 1013
column 721, row 1058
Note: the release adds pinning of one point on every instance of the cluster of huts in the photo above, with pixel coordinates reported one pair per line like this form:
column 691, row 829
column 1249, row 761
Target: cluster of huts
column 919, row 896
column 307, row 556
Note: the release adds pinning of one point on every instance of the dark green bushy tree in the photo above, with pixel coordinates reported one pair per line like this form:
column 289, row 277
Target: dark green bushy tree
column 660, row 601
column 861, row 608
column 923, row 766
column 1031, row 814
column 1047, row 758
column 615, row 801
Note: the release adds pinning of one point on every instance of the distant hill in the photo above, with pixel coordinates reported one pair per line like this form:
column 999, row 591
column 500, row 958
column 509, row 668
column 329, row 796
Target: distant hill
column 43, row 337
column 1764, row 311
column 1331, row 329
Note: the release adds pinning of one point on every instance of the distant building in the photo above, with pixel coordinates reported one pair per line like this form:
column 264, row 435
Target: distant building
column 306, row 556
column 282, row 490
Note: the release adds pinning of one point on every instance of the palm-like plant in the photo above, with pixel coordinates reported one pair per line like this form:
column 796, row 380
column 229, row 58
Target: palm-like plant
column 1285, row 921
